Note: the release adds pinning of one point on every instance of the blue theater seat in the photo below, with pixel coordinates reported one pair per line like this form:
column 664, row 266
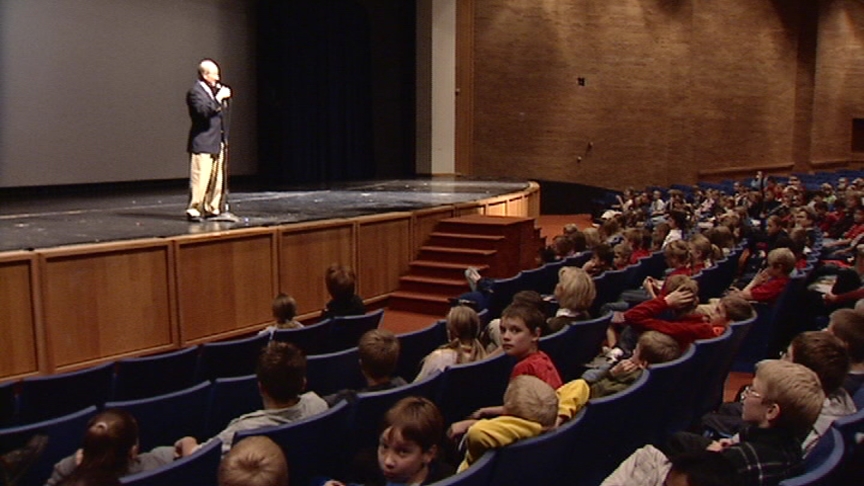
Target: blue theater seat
column 45, row 397
column 345, row 331
column 415, row 345
column 202, row 467
column 155, row 375
column 237, row 357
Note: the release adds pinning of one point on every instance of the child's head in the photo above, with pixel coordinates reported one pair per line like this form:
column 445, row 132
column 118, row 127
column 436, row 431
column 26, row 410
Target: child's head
column 848, row 325
column 677, row 254
column 592, row 238
column 409, row 439
column 110, row 443
column 531, row 298
column 609, row 228
column 661, row 230
column 284, row 308
column 254, row 461
column 683, row 282
column 577, row 239
column 520, row 330
column 783, row 394
column 774, row 225
column 677, row 219
column 634, row 237
column 781, row 261
column 805, row 217
column 622, row 253
column 735, row 309
column 531, row 398
column 823, row 353
column 701, row 248
column 721, row 236
column 281, row 371
column 575, row 290
column 655, row 347
column 340, row 280
column 378, row 350
column 562, row 246
column 603, row 256
column 701, row 468
column 463, row 323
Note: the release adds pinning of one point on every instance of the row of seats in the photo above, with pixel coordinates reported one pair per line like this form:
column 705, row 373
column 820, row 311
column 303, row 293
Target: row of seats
column 583, row 451
column 35, row 398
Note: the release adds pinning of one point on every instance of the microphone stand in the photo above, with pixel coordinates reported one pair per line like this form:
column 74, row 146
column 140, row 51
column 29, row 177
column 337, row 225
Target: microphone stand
column 224, row 212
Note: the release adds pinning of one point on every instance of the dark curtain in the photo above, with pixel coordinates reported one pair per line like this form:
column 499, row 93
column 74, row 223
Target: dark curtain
column 315, row 91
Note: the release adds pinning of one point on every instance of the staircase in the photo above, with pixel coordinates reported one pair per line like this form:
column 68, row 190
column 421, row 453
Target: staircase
column 497, row 246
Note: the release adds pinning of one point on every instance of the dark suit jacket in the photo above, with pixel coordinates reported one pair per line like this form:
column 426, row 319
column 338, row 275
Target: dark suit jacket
column 209, row 122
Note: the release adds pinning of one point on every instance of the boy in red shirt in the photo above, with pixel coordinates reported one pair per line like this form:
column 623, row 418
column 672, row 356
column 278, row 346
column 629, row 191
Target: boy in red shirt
column 768, row 284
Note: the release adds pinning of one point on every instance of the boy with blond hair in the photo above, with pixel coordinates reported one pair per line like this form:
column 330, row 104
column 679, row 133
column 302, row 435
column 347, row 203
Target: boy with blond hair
column 254, row 461
column 768, row 284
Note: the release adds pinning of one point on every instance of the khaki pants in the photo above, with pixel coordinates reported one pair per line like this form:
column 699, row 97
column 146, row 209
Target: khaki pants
column 206, row 183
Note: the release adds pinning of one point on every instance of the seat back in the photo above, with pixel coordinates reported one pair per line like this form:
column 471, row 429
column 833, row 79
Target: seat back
column 331, row 372
column 201, row 467
column 46, row 397
column 469, row 386
column 310, row 339
column 667, row 397
column 543, row 279
column 345, row 331
column 370, row 407
column 8, row 404
column 714, row 384
column 579, row 259
column 229, row 399
column 575, row 345
column 479, row 474
column 824, row 469
column 237, row 357
column 314, row 446
column 702, row 375
column 538, row 460
column 64, row 438
column 415, row 345
column 503, row 290
column 151, row 376
column 850, row 426
column 609, row 432
column 609, row 287
column 165, row 418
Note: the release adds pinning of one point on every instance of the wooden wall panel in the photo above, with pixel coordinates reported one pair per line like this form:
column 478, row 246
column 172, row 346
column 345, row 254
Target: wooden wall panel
column 533, row 197
column 383, row 252
column 106, row 301
column 18, row 323
column 305, row 252
column 466, row 209
column 497, row 207
column 225, row 285
column 424, row 223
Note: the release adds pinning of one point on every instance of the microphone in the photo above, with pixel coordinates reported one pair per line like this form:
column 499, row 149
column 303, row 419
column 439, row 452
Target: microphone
column 218, row 87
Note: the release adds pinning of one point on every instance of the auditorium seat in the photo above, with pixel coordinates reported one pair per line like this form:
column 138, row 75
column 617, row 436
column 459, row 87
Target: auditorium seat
column 230, row 398
column 155, row 375
column 64, row 438
column 575, row 345
column 331, row 372
column 369, row 408
column 479, row 474
column 701, row 376
column 314, row 446
column 201, row 467
column 415, row 345
column 345, row 331
column 609, row 286
column 715, row 383
column 538, row 460
column 8, row 404
column 237, row 357
column 543, row 279
column 469, row 386
column 45, row 397
column 823, row 465
column 667, row 394
column 503, row 290
column 310, row 338
column 165, row 418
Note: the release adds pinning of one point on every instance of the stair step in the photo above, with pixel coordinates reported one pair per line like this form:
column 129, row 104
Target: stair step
column 436, row 305
column 433, row 285
column 437, row 269
column 458, row 251
column 463, row 240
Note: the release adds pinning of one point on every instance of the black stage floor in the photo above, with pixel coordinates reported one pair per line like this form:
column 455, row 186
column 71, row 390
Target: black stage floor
column 44, row 221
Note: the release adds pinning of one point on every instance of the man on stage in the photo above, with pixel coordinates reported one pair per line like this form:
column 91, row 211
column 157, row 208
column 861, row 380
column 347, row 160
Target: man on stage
column 208, row 141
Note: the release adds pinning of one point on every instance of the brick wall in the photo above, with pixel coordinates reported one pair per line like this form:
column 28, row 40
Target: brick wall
column 672, row 87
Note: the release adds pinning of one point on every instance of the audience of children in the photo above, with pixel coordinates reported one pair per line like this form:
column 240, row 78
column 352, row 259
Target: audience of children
column 378, row 351
column 254, row 461
column 463, row 328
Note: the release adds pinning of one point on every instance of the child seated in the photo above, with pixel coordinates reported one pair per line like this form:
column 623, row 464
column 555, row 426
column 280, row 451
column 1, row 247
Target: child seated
column 254, row 461
column 602, row 259
column 281, row 373
column 768, row 284
column 463, row 326
column 409, row 445
column 622, row 252
column 340, row 280
column 779, row 407
column 575, row 293
column 284, row 310
column 110, row 449
column 848, row 325
column 653, row 347
column 698, row 468
column 378, row 351
column 530, row 408
column 677, row 255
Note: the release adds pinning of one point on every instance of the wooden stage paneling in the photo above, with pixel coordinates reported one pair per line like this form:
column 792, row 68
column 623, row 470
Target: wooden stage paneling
column 74, row 306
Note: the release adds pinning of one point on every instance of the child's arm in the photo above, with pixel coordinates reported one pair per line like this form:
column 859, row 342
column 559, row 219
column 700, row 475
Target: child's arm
column 458, row 429
column 487, row 412
column 185, row 446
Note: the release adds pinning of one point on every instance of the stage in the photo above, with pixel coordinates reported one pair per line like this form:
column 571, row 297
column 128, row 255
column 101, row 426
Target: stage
column 35, row 222
column 86, row 279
